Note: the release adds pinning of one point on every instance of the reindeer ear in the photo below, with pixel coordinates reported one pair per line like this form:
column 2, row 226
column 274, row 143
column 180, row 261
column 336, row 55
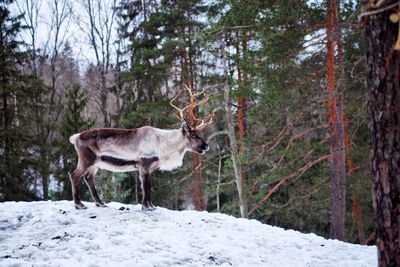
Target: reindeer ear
column 185, row 127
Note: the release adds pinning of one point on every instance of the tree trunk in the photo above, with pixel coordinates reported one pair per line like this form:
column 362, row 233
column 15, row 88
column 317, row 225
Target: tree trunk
column 6, row 126
column 383, row 78
column 233, row 144
column 335, row 114
column 241, row 101
column 103, row 99
column 188, row 81
column 356, row 204
column 219, row 179
column 356, row 213
column 44, row 162
column 197, row 195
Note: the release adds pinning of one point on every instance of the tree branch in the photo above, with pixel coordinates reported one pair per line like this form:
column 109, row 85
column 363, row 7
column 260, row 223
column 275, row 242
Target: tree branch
column 276, row 187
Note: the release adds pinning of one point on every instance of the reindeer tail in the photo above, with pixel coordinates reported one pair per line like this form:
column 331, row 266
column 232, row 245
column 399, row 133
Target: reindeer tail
column 72, row 138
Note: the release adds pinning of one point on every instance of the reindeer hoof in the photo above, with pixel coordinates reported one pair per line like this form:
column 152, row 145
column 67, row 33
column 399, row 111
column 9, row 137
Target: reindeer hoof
column 102, row 205
column 148, row 207
column 80, row 206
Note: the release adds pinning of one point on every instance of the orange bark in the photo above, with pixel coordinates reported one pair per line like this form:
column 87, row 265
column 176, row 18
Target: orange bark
column 356, row 205
column 242, row 102
column 197, row 194
column 335, row 118
column 356, row 214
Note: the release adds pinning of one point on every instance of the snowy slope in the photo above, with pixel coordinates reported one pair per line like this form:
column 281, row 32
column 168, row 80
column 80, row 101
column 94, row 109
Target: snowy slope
column 55, row 234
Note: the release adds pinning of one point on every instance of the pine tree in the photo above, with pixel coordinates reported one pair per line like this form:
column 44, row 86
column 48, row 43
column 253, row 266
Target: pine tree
column 14, row 131
column 74, row 121
column 164, row 57
column 336, row 127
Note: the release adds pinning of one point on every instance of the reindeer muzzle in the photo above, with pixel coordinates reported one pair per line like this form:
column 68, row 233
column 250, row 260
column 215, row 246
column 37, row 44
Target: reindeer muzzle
column 204, row 149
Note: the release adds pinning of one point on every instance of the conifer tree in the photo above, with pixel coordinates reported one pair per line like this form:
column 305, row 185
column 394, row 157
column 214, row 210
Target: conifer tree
column 74, row 121
column 14, row 131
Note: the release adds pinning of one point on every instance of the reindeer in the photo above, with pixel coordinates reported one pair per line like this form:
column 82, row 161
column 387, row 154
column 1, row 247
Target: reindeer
column 145, row 149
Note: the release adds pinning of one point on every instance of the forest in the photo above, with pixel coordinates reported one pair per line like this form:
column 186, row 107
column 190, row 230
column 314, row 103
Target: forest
column 289, row 83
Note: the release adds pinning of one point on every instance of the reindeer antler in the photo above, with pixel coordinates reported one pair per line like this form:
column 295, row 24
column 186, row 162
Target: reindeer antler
column 204, row 121
column 203, row 124
column 180, row 110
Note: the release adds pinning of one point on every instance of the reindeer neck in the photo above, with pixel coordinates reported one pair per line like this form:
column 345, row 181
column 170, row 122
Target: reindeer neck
column 172, row 150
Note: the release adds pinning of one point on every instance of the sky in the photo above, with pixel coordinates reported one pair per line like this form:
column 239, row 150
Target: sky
column 70, row 31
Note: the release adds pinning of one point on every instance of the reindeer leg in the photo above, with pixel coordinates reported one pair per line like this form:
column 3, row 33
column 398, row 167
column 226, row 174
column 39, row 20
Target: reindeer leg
column 89, row 180
column 148, row 191
column 75, row 177
column 148, row 165
column 145, row 179
column 86, row 159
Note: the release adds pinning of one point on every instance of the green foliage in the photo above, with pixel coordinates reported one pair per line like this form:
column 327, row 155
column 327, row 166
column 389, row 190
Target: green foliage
column 157, row 113
column 16, row 177
column 73, row 122
column 286, row 86
column 278, row 49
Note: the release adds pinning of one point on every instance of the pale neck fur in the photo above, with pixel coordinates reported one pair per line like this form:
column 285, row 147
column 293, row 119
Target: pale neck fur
column 172, row 149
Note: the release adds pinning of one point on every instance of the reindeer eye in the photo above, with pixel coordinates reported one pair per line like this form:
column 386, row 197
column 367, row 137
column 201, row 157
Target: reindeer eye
column 192, row 134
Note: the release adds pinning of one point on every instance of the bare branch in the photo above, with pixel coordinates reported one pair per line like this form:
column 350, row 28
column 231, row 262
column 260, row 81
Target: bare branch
column 298, row 172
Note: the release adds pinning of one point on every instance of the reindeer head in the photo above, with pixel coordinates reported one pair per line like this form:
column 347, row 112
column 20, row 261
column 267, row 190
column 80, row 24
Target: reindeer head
column 191, row 124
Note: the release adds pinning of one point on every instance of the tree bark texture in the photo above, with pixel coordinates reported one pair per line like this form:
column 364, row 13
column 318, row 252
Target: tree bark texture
column 241, row 100
column 383, row 79
column 356, row 210
column 237, row 167
column 336, row 127
column 189, row 82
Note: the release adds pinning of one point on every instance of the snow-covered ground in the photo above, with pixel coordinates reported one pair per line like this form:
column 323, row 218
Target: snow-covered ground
column 55, row 234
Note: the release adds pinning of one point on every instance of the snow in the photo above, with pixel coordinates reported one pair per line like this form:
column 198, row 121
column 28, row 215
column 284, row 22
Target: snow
column 55, row 234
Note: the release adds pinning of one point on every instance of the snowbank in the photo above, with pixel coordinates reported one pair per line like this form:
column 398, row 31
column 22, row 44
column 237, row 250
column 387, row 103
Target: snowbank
column 55, row 234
